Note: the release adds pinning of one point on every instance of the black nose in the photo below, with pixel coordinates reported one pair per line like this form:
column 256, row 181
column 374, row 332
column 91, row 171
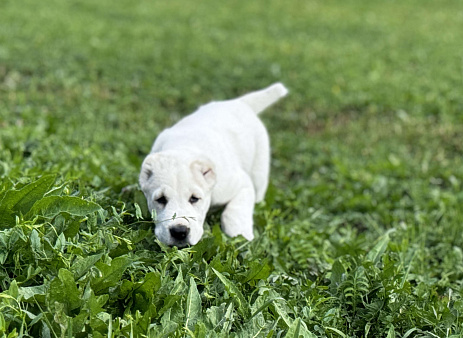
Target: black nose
column 179, row 232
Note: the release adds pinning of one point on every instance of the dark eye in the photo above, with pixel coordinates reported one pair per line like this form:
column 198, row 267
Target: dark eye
column 148, row 173
column 162, row 200
column 193, row 199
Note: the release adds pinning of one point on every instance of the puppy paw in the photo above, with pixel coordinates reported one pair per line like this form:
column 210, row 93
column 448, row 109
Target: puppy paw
column 234, row 226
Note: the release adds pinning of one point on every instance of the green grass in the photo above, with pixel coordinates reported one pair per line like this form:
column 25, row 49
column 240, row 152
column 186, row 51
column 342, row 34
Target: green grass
column 360, row 232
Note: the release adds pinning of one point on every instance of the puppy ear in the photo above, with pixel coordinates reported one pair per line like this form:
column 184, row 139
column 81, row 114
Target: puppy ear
column 147, row 172
column 204, row 170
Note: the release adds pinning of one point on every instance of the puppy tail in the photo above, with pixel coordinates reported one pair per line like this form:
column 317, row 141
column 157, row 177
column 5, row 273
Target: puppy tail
column 261, row 99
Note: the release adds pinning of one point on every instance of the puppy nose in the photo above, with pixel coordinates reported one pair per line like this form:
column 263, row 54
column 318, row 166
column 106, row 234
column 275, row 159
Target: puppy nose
column 179, row 232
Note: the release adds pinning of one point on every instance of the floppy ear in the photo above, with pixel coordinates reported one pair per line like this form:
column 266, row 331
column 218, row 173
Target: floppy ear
column 204, row 171
column 147, row 172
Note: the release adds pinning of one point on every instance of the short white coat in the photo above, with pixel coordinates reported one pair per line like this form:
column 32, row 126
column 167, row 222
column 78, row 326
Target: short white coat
column 219, row 155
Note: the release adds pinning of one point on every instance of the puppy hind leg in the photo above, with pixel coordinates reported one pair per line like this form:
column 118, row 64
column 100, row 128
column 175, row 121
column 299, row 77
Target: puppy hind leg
column 237, row 217
column 261, row 168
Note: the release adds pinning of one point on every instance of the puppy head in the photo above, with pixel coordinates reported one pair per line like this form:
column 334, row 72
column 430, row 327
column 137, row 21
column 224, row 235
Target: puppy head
column 179, row 190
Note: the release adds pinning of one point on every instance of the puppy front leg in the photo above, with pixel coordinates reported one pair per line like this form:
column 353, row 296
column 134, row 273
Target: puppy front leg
column 237, row 217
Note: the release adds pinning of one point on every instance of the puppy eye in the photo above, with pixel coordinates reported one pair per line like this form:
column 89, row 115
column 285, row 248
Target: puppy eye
column 162, row 200
column 148, row 173
column 193, row 199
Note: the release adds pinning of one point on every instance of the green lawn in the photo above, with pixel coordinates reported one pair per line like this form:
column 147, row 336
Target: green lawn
column 361, row 231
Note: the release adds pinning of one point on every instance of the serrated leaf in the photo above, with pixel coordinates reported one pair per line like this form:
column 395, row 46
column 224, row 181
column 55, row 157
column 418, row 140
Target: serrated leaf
column 52, row 206
column 236, row 294
column 193, row 306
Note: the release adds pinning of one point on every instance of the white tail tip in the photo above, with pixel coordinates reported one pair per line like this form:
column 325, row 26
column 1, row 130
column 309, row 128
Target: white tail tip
column 261, row 99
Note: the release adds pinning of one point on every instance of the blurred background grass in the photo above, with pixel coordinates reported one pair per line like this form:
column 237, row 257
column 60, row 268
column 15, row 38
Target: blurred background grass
column 336, row 56
column 375, row 85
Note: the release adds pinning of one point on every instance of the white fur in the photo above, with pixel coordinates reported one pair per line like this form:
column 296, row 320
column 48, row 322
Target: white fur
column 219, row 154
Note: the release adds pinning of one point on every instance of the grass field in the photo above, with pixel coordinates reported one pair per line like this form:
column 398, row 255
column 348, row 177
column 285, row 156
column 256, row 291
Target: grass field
column 360, row 234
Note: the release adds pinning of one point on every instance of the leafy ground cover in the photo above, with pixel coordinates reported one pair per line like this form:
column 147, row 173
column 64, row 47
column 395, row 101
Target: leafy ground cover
column 360, row 232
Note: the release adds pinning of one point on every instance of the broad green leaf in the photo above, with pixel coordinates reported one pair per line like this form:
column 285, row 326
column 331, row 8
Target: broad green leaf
column 83, row 264
column 297, row 329
column 60, row 243
column 111, row 274
column 179, row 284
column 266, row 304
column 215, row 315
column 13, row 290
column 391, row 332
column 31, row 291
column 150, row 285
column 63, row 290
column 22, row 200
column 94, row 304
column 294, row 329
column 36, row 244
column 126, row 288
column 169, row 302
column 2, row 323
column 78, row 324
column 168, row 325
column 193, row 306
column 57, row 191
column 205, row 249
column 280, row 309
column 236, row 294
column 228, row 319
column 258, row 270
column 53, row 205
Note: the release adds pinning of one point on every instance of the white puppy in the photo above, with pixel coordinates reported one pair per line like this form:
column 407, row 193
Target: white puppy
column 219, row 155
